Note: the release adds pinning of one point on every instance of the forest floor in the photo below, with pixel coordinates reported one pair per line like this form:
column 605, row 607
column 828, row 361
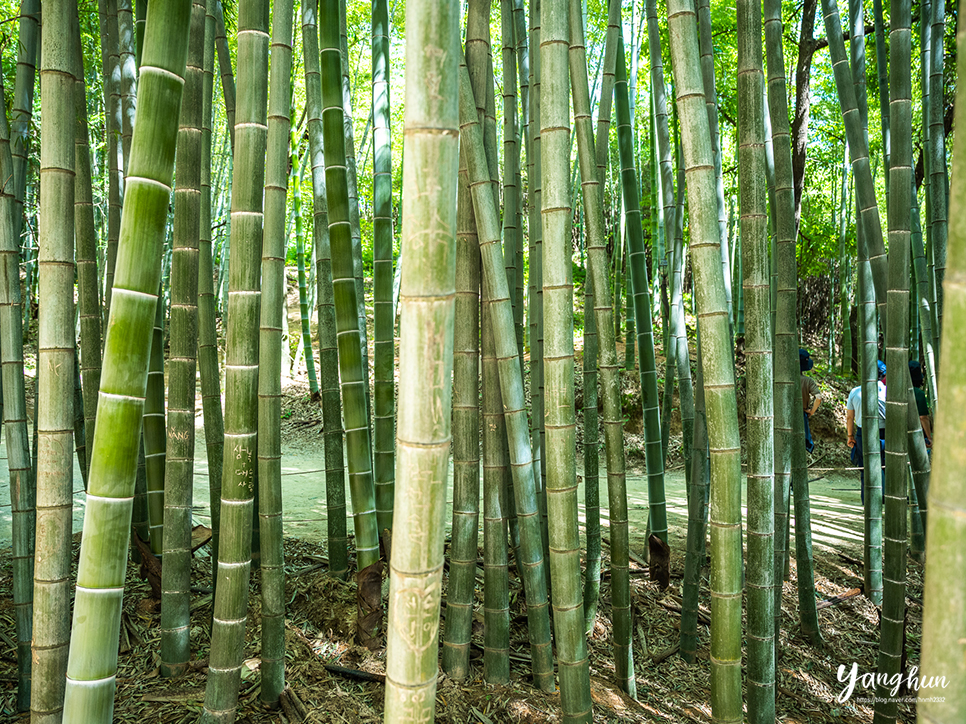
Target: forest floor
column 321, row 609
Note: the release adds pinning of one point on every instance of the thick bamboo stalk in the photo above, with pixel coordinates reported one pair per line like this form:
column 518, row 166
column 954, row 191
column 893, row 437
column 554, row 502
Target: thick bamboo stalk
column 383, row 353
column 789, row 421
column 466, row 438
column 272, row 559
column 182, row 364
column 208, row 366
column 353, row 377
column 55, row 359
column 560, row 418
column 868, row 211
column 328, row 355
column 22, row 484
column 241, row 366
column 225, row 70
column 427, row 305
column 717, row 368
column 604, row 339
column 897, row 355
column 129, row 76
column 511, row 387
column 759, row 400
column 642, row 309
column 944, row 614
column 154, row 430
column 936, row 148
column 100, row 577
column 21, row 115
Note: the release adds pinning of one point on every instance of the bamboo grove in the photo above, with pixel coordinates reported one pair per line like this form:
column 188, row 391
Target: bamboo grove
column 160, row 166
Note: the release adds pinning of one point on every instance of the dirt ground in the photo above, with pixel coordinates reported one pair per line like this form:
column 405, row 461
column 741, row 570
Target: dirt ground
column 321, row 610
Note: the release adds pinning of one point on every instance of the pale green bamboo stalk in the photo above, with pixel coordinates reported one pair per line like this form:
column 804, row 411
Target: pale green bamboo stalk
column 427, row 305
column 663, row 148
column 182, row 364
column 897, row 358
column 241, row 367
column 759, row 400
column 603, row 326
column 523, row 69
column 717, row 368
column 511, row 388
column 353, row 377
column 383, row 352
column 22, row 484
column 845, row 275
column 208, row 366
column 270, row 357
column 328, row 355
column 560, row 422
column 466, row 439
column 100, row 577
column 944, row 613
column 512, row 194
column 55, row 344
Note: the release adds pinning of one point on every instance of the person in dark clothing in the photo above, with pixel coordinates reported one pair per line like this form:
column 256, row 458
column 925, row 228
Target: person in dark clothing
column 811, row 395
column 922, row 404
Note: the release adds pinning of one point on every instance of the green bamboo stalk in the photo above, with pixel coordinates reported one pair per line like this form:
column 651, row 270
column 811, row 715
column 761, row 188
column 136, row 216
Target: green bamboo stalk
column 466, row 438
column 642, row 309
column 22, row 484
column 270, row 357
column 663, row 147
column 603, row 326
column 882, row 67
column 21, row 115
column 560, row 422
column 706, row 44
column 55, row 343
column 535, row 260
column 944, row 614
column 717, row 368
column 512, row 233
column 511, row 388
column 897, row 357
column 523, row 68
column 759, row 400
column 112, row 130
column 936, row 148
column 868, row 211
column 384, row 490
column 154, row 430
column 845, row 274
column 305, row 335
column 496, row 593
column 789, row 456
column 97, row 607
column 241, row 366
column 328, row 355
column 427, row 306
column 88, row 298
column 208, row 366
column 224, row 67
column 351, row 365
column 383, row 353
column 182, row 364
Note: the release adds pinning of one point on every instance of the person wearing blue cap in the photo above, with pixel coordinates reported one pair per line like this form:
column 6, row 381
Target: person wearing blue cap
column 853, row 425
column 811, row 394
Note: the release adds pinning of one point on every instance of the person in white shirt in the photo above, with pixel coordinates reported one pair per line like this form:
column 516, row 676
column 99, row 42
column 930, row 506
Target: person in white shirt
column 853, row 424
